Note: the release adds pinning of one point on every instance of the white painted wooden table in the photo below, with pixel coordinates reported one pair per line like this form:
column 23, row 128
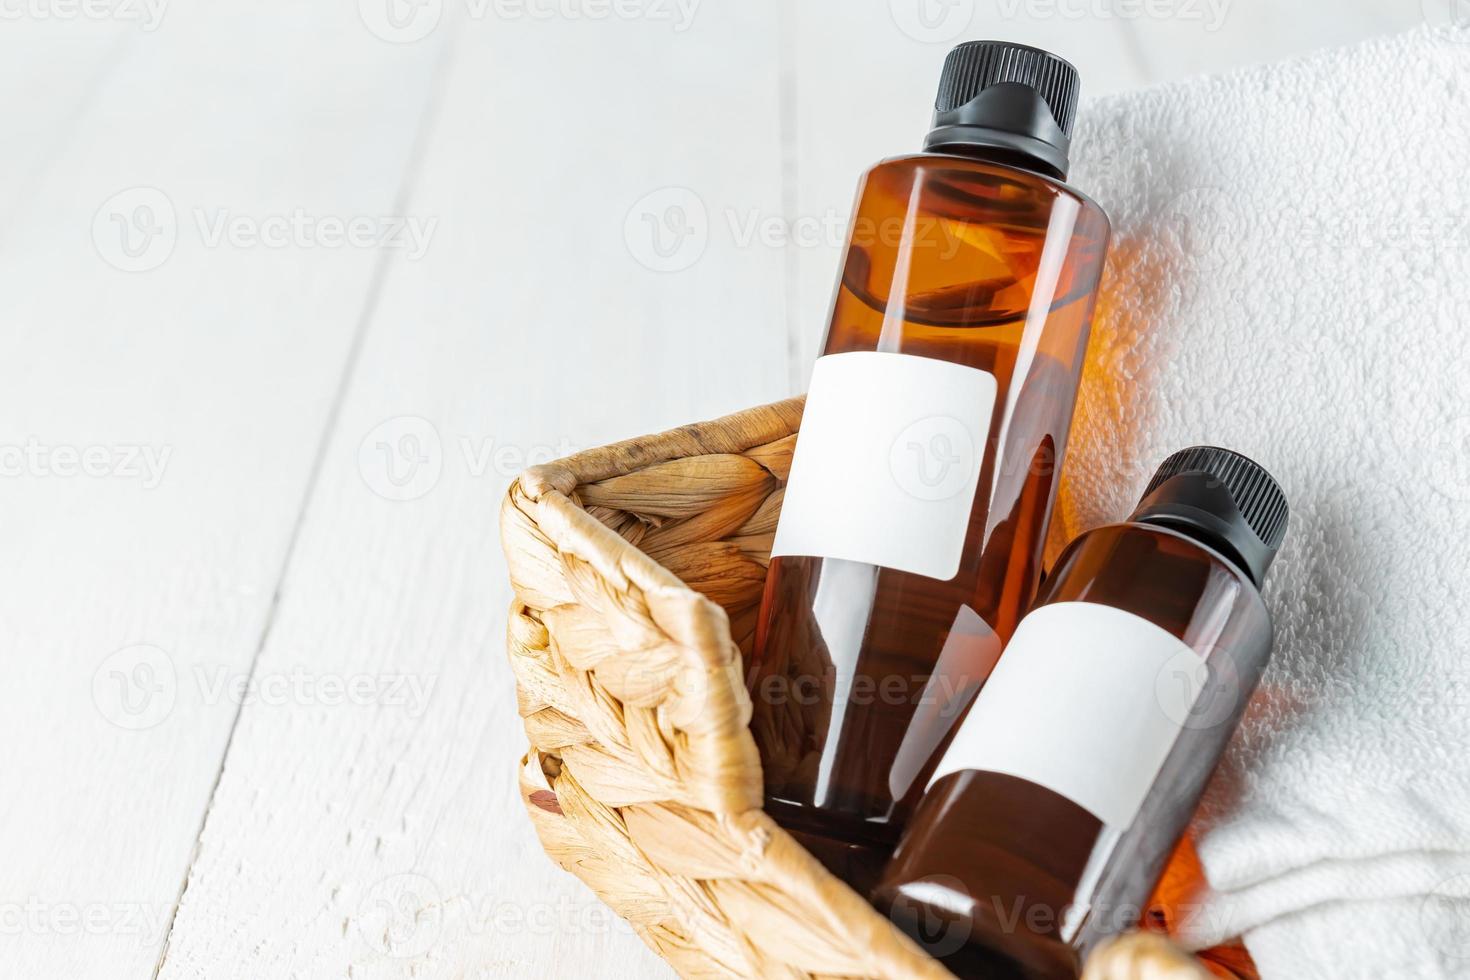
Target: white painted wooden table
column 289, row 291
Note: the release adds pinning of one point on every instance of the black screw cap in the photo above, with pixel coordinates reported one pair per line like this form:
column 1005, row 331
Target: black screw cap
column 1012, row 100
column 1223, row 498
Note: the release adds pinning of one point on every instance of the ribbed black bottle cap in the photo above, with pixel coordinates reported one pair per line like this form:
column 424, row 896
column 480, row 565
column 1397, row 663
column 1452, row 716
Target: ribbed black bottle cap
column 1011, row 100
column 1223, row 498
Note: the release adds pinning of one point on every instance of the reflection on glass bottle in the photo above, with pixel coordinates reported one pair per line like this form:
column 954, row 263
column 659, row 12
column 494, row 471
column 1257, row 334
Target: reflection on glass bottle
column 1050, row 817
column 926, row 468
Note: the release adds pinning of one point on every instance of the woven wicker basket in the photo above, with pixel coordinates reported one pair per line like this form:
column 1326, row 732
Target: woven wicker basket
column 637, row 571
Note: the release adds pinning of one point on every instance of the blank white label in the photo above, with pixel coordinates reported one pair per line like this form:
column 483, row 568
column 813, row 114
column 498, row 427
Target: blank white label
column 1087, row 701
column 887, row 462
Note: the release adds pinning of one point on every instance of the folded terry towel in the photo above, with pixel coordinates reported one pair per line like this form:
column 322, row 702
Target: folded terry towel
column 1291, row 279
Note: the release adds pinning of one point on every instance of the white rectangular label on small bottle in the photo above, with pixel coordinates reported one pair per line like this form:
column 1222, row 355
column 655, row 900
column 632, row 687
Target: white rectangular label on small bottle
column 887, row 462
column 1087, row 701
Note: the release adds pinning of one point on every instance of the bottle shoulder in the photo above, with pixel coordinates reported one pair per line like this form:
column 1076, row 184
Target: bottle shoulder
column 1160, row 573
column 1178, row 542
column 955, row 161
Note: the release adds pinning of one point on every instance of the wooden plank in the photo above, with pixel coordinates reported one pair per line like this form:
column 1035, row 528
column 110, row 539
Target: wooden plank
column 158, row 427
column 52, row 71
column 386, row 838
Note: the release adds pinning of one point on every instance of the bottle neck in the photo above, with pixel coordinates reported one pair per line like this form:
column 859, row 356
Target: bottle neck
column 1004, row 156
column 1201, row 536
column 1201, row 506
column 1008, row 119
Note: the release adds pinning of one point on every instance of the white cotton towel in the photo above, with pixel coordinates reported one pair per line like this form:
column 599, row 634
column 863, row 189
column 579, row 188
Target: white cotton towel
column 1290, row 278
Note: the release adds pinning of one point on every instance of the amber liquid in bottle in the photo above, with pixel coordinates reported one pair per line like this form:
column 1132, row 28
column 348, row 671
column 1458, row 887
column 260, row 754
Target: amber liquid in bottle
column 1006, row 873
column 861, row 671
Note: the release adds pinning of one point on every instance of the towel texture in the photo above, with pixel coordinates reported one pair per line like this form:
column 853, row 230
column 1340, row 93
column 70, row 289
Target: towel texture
column 1291, row 279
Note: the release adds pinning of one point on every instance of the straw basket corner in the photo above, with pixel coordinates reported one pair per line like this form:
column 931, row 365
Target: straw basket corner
column 637, row 572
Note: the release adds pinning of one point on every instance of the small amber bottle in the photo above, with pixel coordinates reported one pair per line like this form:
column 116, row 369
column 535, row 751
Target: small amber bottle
column 910, row 537
column 1049, row 819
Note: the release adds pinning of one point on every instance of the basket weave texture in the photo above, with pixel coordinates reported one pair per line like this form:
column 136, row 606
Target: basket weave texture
column 637, row 571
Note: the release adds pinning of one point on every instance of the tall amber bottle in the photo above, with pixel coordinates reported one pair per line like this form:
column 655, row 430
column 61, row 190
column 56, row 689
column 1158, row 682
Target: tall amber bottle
column 936, row 421
column 1052, row 813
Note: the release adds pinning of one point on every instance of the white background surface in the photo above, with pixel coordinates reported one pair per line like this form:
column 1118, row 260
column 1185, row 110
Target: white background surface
column 256, row 715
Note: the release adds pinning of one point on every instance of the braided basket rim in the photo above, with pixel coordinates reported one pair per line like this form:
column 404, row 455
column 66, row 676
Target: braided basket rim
column 543, row 502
